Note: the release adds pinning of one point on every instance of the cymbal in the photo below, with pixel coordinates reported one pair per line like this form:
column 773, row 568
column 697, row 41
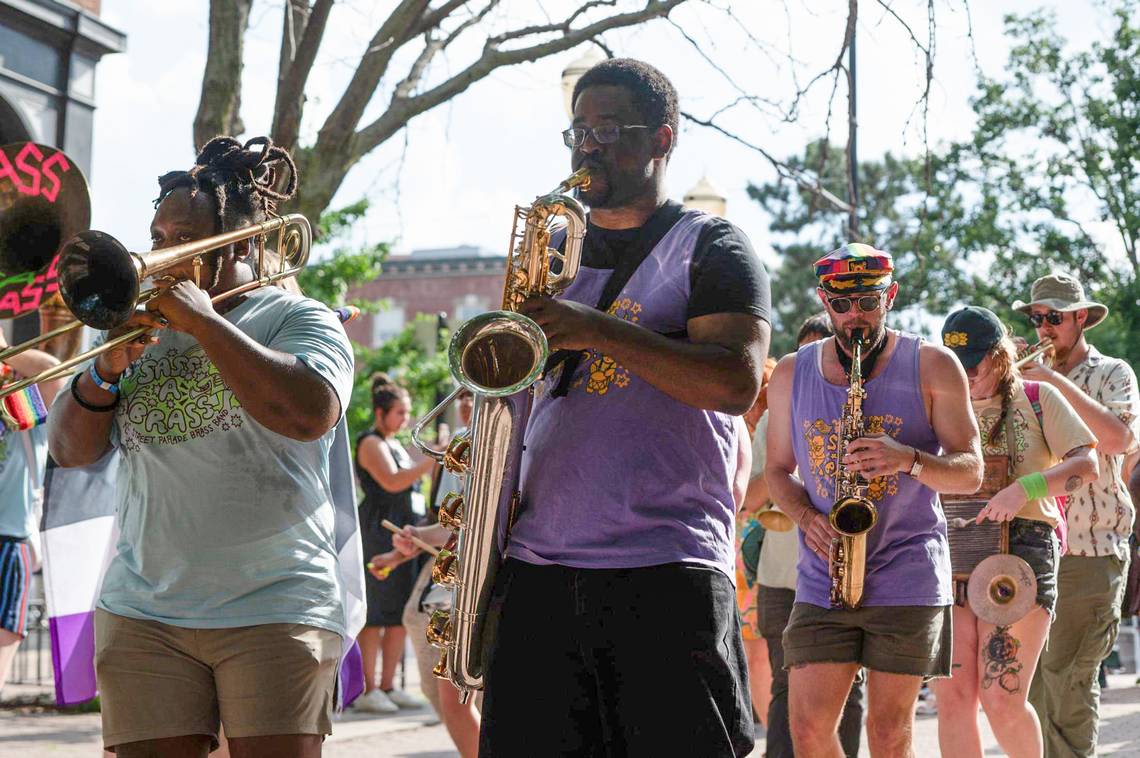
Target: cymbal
column 1002, row 589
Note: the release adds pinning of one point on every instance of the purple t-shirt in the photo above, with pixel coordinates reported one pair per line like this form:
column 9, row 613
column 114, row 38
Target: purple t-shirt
column 908, row 559
column 617, row 474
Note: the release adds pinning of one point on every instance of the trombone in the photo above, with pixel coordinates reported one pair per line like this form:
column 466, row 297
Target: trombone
column 100, row 281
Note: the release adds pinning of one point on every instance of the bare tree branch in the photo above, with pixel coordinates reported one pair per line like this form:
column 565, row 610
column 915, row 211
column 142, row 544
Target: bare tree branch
column 310, row 28
column 802, row 180
column 219, row 106
column 402, row 109
column 340, row 124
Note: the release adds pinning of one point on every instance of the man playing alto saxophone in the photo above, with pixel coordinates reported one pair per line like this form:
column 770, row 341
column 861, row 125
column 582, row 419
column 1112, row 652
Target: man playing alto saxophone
column 920, row 439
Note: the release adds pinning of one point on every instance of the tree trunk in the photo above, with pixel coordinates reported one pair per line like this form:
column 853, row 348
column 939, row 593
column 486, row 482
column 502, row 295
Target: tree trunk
column 219, row 107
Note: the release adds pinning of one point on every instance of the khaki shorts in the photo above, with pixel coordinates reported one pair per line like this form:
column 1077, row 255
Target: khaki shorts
column 158, row 681
column 903, row 639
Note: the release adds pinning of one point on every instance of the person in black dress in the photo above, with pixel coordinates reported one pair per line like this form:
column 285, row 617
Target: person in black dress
column 388, row 475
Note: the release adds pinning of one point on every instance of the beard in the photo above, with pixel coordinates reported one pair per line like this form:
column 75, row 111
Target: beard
column 873, row 336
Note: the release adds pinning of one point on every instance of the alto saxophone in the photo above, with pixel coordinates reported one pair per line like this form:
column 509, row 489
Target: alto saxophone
column 853, row 514
column 498, row 356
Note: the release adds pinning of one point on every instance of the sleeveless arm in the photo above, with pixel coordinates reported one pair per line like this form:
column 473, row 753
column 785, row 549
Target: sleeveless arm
column 786, row 489
column 376, row 459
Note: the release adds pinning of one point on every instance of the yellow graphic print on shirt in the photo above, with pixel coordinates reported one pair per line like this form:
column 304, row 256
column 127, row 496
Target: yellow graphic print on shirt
column 986, row 423
column 175, row 397
column 602, row 371
column 822, row 440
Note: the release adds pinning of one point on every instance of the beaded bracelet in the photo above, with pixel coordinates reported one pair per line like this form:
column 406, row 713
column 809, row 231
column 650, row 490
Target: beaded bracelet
column 86, row 405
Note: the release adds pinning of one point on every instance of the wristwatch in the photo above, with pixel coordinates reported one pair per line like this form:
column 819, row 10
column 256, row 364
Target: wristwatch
column 916, row 467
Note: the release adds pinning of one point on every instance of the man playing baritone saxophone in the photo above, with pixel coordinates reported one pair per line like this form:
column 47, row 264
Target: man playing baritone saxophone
column 920, row 439
column 618, row 632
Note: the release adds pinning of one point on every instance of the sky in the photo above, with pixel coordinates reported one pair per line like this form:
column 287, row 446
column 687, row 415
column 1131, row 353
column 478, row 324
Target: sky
column 452, row 176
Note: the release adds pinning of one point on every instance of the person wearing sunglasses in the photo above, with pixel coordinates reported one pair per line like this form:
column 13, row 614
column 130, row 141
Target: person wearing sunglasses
column 1099, row 516
column 920, row 439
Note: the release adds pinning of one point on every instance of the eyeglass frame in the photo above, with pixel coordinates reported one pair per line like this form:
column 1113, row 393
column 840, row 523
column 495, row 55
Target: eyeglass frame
column 852, row 299
column 1053, row 316
column 592, row 131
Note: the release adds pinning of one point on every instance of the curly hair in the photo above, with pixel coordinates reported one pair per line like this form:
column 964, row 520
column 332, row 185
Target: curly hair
column 654, row 96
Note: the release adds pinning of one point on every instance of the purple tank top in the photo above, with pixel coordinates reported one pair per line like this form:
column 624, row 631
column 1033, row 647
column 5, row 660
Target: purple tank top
column 908, row 562
column 617, row 474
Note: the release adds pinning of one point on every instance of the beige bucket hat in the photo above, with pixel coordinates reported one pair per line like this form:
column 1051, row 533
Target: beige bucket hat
column 1063, row 293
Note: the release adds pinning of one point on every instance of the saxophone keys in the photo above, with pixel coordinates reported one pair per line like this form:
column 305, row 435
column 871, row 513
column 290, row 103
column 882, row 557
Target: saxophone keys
column 440, row 671
column 451, row 511
column 443, row 572
column 439, row 629
column 458, row 454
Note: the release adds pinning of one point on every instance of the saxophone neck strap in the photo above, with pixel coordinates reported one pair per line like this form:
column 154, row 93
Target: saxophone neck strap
column 866, row 364
column 651, row 233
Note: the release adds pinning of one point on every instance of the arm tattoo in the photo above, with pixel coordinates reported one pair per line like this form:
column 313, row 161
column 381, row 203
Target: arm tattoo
column 1072, row 483
column 1000, row 659
column 1077, row 451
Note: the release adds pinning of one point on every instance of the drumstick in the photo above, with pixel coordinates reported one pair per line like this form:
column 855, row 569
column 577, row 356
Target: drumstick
column 431, row 550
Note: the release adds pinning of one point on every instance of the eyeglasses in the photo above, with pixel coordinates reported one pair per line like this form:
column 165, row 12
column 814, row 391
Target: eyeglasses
column 603, row 135
column 1053, row 317
column 867, row 303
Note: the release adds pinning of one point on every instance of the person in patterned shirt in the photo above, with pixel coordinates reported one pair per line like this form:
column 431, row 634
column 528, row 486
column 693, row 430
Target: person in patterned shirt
column 1092, row 574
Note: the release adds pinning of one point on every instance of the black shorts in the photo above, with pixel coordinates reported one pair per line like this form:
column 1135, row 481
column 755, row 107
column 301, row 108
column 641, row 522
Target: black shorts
column 597, row 662
column 1034, row 542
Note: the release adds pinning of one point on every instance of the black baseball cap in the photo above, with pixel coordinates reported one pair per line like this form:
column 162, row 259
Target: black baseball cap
column 971, row 332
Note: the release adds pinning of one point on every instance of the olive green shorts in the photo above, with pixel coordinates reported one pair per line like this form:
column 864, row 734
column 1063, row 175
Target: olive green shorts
column 899, row 639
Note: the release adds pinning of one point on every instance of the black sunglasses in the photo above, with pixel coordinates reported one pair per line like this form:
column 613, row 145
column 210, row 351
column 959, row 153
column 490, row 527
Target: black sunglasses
column 1053, row 317
column 867, row 303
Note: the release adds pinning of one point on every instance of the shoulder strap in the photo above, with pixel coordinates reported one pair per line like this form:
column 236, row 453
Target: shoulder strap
column 1033, row 392
column 651, row 233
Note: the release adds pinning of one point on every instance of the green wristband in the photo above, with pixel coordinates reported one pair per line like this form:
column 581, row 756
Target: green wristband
column 1035, row 486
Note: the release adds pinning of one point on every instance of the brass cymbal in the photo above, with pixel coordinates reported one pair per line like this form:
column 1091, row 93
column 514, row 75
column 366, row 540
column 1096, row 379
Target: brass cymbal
column 1002, row 589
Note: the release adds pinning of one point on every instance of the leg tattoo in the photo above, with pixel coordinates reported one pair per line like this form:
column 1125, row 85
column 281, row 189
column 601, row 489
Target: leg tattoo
column 1000, row 658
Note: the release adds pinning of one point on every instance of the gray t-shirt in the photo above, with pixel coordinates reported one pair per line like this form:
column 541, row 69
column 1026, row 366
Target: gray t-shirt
column 224, row 523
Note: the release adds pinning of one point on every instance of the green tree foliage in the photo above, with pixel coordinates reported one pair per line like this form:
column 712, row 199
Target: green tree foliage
column 1058, row 142
column 412, row 360
column 416, row 358
column 1056, row 146
column 908, row 215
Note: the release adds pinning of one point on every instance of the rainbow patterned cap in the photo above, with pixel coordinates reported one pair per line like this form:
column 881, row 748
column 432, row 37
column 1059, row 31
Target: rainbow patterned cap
column 855, row 267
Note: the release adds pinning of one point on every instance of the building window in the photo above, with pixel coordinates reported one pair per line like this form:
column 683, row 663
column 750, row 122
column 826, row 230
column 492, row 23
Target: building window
column 387, row 324
column 30, row 57
column 469, row 306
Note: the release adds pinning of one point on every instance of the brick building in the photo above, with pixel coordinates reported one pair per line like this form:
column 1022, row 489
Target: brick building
column 459, row 281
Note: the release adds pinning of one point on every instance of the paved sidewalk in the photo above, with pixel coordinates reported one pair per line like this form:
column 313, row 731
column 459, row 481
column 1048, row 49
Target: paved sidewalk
column 31, row 733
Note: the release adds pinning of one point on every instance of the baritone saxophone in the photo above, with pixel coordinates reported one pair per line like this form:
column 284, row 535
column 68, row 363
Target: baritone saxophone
column 498, row 356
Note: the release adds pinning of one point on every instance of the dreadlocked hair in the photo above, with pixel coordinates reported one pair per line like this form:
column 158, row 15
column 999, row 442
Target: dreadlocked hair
column 1004, row 356
column 240, row 178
